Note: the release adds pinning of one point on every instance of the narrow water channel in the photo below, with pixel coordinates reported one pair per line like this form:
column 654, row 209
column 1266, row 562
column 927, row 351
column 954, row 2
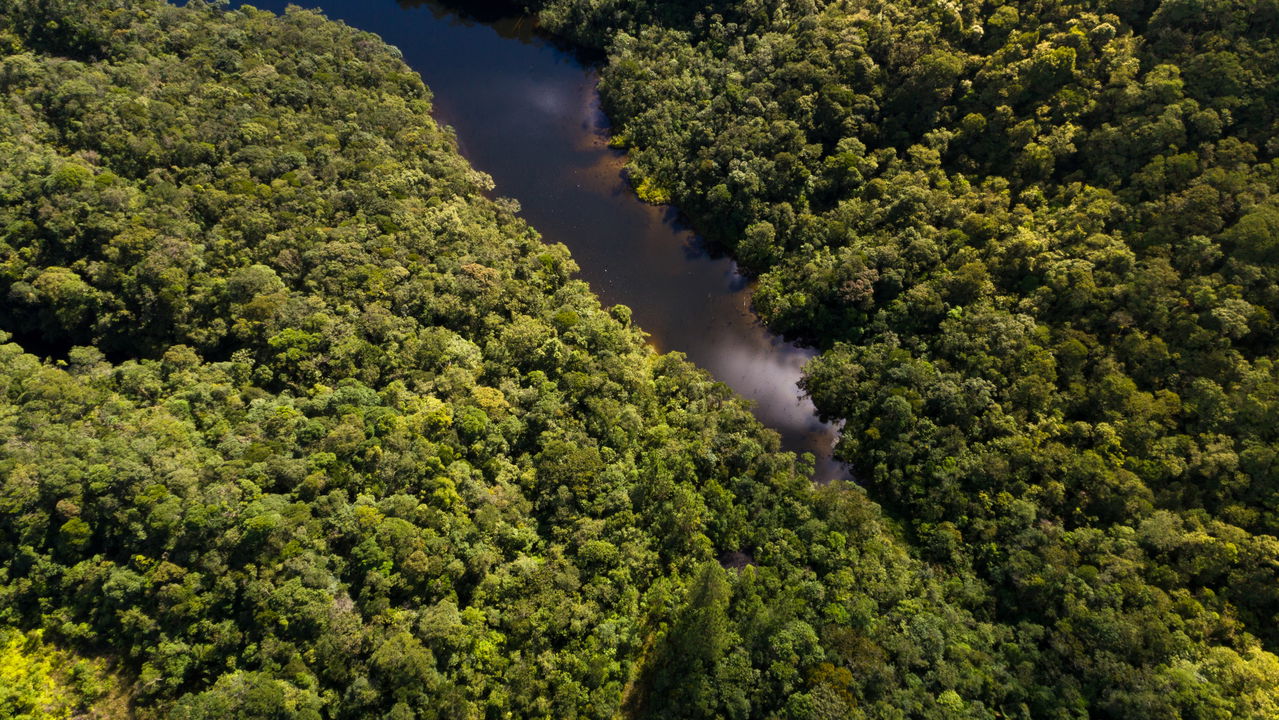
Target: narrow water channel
column 527, row 113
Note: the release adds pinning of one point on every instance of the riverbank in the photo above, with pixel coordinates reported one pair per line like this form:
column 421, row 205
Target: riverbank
column 525, row 110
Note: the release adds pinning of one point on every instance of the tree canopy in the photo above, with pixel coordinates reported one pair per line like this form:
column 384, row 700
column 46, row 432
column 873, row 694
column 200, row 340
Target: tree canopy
column 1036, row 245
column 297, row 422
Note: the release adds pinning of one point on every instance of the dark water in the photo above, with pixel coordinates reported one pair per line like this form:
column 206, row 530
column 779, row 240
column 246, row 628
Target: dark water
column 526, row 112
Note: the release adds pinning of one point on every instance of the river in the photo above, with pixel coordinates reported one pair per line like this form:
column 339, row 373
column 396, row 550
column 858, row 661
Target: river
column 526, row 112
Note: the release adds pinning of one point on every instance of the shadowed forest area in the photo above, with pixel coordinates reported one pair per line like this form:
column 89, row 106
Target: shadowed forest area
column 1036, row 245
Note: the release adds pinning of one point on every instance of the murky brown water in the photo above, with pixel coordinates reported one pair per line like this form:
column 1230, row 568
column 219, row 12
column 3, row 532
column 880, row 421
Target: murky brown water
column 526, row 112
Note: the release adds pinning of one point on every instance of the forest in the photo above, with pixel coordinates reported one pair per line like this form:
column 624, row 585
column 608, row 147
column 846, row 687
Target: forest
column 300, row 419
column 1037, row 245
column 297, row 422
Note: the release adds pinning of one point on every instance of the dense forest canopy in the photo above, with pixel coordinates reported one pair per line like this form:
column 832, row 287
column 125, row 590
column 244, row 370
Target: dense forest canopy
column 1038, row 246
column 297, row 422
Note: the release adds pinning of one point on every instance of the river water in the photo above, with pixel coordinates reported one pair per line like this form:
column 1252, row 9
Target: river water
column 526, row 112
